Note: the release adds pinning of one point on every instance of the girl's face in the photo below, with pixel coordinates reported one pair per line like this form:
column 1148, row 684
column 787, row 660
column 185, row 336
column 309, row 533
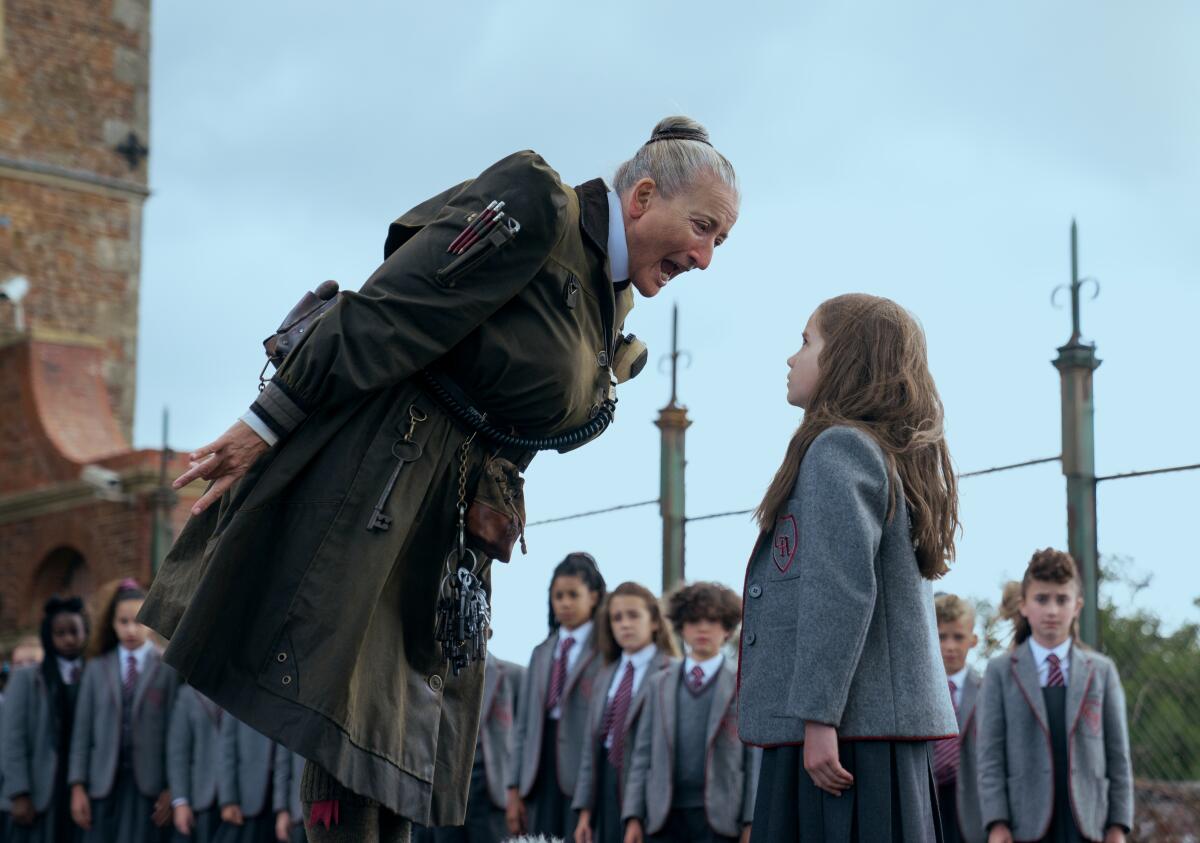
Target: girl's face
column 572, row 600
column 802, row 366
column 68, row 634
column 704, row 638
column 1051, row 608
column 632, row 625
column 130, row 633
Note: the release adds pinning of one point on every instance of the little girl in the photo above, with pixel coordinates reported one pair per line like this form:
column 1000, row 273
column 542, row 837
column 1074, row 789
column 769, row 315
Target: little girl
column 636, row 645
column 553, row 703
column 118, row 751
column 36, row 737
column 193, row 765
column 1053, row 750
column 841, row 673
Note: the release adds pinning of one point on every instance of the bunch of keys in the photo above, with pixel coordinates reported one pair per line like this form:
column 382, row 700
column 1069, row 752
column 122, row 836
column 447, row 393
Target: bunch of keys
column 463, row 615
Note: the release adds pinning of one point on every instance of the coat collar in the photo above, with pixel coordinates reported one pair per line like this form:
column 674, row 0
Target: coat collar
column 593, row 215
column 1078, row 680
column 970, row 694
column 726, row 687
column 1025, row 672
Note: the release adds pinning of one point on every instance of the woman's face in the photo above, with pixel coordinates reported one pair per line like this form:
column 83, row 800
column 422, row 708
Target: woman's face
column 130, row 633
column 572, row 600
column 68, row 634
column 802, row 366
column 632, row 626
column 667, row 237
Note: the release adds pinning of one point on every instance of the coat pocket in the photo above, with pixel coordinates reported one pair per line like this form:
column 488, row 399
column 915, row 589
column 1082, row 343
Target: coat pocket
column 496, row 518
column 497, row 238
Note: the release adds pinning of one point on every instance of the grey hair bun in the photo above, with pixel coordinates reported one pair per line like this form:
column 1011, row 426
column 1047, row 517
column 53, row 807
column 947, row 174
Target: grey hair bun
column 678, row 154
column 679, row 127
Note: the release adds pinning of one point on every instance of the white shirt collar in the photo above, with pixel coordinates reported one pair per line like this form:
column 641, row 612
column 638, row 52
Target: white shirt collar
column 708, row 667
column 959, row 679
column 1040, row 653
column 66, row 667
column 579, row 633
column 618, row 246
column 139, row 656
column 639, row 659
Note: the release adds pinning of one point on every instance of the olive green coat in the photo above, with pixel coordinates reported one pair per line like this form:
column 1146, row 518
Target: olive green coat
column 280, row 605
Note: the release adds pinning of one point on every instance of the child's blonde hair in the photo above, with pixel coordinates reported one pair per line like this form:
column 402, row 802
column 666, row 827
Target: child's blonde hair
column 874, row 375
column 951, row 608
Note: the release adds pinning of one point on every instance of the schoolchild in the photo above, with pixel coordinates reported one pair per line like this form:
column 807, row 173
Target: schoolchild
column 287, row 768
column 691, row 778
column 1053, row 741
column 841, row 678
column 117, row 770
column 636, row 645
column 39, row 715
column 553, row 703
column 954, row 758
column 245, row 789
column 193, row 766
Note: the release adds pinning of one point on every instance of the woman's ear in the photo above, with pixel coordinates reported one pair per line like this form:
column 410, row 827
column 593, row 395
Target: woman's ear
column 641, row 196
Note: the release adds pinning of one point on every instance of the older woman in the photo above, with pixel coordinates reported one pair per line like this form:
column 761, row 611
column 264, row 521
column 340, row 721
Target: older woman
column 306, row 603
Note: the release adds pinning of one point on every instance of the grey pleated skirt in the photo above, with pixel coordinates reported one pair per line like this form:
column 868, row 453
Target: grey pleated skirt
column 892, row 798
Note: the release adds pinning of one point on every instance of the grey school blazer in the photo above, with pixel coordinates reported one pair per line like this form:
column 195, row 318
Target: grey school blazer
column 1016, row 777
column 501, row 691
column 838, row 623
column 730, row 772
column 246, row 757
column 96, row 740
column 585, row 784
column 193, row 749
column 966, row 788
column 285, row 784
column 531, row 717
column 28, row 739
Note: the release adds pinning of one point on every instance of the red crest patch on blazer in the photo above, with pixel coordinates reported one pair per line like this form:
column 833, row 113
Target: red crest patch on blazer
column 1091, row 716
column 154, row 697
column 783, row 543
column 502, row 714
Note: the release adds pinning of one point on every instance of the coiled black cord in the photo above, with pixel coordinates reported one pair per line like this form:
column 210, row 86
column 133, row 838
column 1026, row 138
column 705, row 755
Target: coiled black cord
column 476, row 421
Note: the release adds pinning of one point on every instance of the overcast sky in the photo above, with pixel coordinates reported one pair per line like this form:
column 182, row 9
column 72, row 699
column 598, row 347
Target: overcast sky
column 932, row 153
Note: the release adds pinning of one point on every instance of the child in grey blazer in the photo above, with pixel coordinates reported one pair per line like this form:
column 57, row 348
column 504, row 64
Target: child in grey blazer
column 117, row 770
column 691, row 779
column 35, row 739
column 1053, row 741
column 193, row 766
column 954, row 758
column 245, row 787
column 637, row 645
column 841, row 678
column 551, row 717
column 288, row 767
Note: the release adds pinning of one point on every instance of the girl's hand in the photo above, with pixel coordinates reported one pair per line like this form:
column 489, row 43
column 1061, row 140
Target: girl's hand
column 514, row 813
column 223, row 461
column 81, row 807
column 583, row 829
column 232, row 814
column 283, row 826
column 22, row 810
column 162, row 809
column 185, row 820
column 1000, row 833
column 1115, row 834
column 821, row 759
column 633, row 831
column 745, row 838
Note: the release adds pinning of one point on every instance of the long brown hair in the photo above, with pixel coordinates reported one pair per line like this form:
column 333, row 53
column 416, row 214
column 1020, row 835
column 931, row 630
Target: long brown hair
column 104, row 607
column 604, row 637
column 873, row 374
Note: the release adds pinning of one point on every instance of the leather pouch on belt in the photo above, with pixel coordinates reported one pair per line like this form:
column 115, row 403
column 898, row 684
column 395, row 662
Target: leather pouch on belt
column 496, row 517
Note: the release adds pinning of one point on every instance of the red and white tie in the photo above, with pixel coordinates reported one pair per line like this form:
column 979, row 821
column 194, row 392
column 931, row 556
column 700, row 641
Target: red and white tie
column 696, row 678
column 558, row 674
column 614, row 717
column 1054, row 679
column 131, row 675
column 945, row 751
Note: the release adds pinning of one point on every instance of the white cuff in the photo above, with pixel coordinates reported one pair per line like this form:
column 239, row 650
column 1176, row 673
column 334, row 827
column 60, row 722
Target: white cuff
column 175, row 803
column 252, row 421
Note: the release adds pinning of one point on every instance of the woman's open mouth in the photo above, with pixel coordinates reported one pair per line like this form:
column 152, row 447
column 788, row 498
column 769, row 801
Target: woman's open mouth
column 667, row 269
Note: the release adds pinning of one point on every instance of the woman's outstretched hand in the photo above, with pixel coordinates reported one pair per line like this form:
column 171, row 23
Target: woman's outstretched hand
column 223, row 461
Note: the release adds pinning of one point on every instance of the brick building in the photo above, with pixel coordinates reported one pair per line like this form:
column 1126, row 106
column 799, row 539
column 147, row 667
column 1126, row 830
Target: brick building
column 78, row 505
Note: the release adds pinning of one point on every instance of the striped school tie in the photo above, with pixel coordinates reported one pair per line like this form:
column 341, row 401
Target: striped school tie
column 945, row 751
column 131, row 676
column 696, row 678
column 614, row 717
column 558, row 676
column 1054, row 679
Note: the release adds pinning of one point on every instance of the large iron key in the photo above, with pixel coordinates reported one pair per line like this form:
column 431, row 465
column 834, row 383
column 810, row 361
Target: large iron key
column 405, row 451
